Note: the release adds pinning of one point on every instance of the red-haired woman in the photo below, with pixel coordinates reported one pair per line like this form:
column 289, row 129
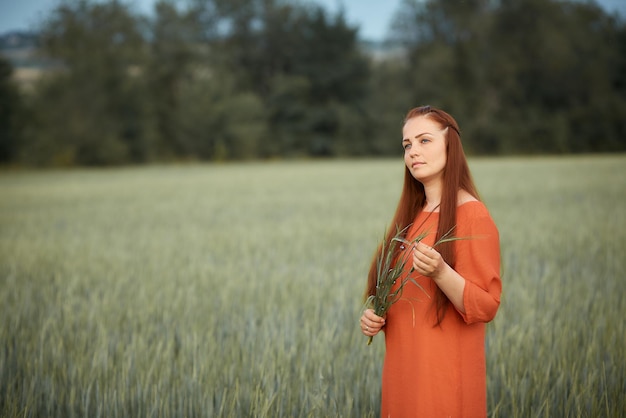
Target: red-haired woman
column 435, row 336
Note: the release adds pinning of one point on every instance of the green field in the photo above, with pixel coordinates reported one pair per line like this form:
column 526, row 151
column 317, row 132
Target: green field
column 235, row 290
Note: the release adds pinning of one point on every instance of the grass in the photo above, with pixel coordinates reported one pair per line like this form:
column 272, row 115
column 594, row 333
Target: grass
column 235, row 290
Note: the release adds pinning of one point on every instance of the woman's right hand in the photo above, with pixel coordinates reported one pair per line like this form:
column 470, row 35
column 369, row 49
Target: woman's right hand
column 371, row 324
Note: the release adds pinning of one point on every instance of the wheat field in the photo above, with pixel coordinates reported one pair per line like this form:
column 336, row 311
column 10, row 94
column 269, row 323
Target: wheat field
column 235, row 290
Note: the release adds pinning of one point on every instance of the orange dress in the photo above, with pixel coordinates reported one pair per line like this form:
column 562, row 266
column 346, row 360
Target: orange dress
column 439, row 371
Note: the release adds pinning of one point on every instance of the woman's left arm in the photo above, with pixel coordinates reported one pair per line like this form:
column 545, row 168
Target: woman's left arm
column 428, row 262
column 474, row 286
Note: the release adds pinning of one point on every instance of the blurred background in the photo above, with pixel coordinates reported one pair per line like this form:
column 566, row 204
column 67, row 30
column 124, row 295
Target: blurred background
column 98, row 83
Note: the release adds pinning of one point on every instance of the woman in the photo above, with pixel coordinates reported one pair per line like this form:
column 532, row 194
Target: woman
column 434, row 335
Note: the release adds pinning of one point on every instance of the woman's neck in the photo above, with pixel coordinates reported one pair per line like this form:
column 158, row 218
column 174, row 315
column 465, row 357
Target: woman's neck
column 433, row 197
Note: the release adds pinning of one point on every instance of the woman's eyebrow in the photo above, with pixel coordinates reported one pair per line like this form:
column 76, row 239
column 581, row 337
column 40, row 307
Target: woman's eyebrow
column 422, row 134
column 416, row 136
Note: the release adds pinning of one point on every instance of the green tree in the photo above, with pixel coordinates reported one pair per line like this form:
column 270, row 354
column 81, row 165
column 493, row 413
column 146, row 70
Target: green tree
column 90, row 109
column 217, row 122
column 11, row 113
column 172, row 57
column 199, row 108
column 390, row 97
column 565, row 57
column 520, row 75
column 304, row 65
column 447, row 44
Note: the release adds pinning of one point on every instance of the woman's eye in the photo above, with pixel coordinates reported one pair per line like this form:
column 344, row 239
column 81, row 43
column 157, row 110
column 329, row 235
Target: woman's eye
column 424, row 140
column 406, row 146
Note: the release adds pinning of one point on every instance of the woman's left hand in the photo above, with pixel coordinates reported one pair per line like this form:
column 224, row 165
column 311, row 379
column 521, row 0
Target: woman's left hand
column 427, row 261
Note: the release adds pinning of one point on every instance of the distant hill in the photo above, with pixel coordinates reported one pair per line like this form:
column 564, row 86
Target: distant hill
column 20, row 48
column 17, row 40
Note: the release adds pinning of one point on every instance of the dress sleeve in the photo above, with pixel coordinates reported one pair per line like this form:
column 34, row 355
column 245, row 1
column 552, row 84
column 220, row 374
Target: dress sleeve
column 478, row 262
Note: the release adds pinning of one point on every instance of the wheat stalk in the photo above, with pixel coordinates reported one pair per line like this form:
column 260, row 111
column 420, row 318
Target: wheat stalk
column 388, row 272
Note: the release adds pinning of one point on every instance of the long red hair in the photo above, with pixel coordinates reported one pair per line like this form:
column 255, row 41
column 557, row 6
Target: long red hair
column 456, row 177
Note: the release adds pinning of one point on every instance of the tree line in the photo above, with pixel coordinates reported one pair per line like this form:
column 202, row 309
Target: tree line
column 220, row 80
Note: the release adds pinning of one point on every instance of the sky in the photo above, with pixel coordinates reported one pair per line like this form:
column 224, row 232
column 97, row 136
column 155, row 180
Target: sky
column 371, row 16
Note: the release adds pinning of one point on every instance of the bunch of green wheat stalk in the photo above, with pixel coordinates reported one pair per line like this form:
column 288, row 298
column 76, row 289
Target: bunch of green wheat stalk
column 389, row 268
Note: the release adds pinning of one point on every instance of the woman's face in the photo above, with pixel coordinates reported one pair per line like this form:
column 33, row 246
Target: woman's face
column 424, row 146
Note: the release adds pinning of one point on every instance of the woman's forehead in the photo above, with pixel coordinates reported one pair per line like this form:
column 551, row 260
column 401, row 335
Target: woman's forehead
column 420, row 123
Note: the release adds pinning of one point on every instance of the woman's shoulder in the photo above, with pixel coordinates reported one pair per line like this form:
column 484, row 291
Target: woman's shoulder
column 464, row 198
column 472, row 215
column 470, row 207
